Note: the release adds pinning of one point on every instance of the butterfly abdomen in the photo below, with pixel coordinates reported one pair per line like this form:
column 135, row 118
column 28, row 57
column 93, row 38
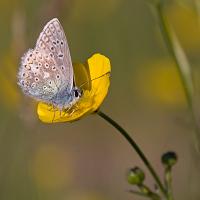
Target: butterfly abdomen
column 62, row 99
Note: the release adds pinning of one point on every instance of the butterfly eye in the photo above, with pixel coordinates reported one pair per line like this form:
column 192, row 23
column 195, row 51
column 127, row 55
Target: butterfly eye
column 76, row 93
column 36, row 79
column 61, row 43
column 58, row 41
column 53, row 68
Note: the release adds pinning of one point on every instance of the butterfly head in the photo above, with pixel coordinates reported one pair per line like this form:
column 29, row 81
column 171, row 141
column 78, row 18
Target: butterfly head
column 76, row 93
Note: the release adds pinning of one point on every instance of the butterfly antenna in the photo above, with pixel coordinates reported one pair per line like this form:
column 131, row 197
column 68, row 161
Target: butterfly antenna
column 93, row 79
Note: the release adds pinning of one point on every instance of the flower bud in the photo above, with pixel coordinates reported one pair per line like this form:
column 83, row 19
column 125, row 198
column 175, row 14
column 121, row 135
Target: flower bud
column 169, row 158
column 135, row 176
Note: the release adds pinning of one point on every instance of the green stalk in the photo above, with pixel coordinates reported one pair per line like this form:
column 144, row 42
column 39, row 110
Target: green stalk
column 136, row 148
column 182, row 66
column 168, row 182
column 197, row 7
column 146, row 190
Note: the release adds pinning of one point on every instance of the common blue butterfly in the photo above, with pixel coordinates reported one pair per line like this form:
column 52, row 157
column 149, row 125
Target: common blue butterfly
column 46, row 72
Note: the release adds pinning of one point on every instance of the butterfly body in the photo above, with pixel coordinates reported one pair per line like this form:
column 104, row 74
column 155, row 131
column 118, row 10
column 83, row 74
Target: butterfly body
column 64, row 99
column 46, row 72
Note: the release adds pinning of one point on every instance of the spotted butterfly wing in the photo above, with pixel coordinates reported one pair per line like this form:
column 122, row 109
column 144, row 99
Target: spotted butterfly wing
column 53, row 42
column 47, row 69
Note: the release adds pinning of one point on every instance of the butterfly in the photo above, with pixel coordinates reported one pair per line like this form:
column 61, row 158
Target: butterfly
column 46, row 72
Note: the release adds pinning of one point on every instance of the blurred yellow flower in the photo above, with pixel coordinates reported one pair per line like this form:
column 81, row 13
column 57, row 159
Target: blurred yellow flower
column 186, row 25
column 97, row 68
column 50, row 167
column 159, row 82
column 10, row 96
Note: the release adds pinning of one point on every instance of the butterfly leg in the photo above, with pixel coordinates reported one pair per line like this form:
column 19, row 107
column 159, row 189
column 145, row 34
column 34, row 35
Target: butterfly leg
column 54, row 113
column 60, row 111
column 75, row 108
column 72, row 111
column 65, row 111
column 50, row 107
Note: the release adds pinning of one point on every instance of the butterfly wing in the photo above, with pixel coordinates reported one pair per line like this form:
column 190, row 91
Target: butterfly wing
column 47, row 70
column 52, row 41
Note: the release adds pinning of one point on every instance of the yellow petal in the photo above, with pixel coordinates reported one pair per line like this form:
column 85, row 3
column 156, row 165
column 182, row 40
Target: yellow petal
column 97, row 68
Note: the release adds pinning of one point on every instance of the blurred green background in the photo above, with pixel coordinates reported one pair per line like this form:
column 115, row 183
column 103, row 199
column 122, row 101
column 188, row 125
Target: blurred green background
column 88, row 159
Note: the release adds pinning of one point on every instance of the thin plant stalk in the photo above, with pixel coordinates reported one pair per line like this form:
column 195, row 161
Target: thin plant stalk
column 136, row 148
column 168, row 182
column 182, row 66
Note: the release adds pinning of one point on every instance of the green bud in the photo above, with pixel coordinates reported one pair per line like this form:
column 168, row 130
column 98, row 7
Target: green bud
column 135, row 176
column 169, row 158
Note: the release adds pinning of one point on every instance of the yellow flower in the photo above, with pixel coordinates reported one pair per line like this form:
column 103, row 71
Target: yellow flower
column 10, row 96
column 160, row 82
column 50, row 167
column 186, row 25
column 97, row 68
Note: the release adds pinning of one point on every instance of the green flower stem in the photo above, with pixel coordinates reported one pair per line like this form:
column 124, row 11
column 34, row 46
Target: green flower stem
column 181, row 64
column 136, row 148
column 138, row 193
column 168, row 182
column 166, row 33
column 149, row 195
column 197, row 7
column 146, row 190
